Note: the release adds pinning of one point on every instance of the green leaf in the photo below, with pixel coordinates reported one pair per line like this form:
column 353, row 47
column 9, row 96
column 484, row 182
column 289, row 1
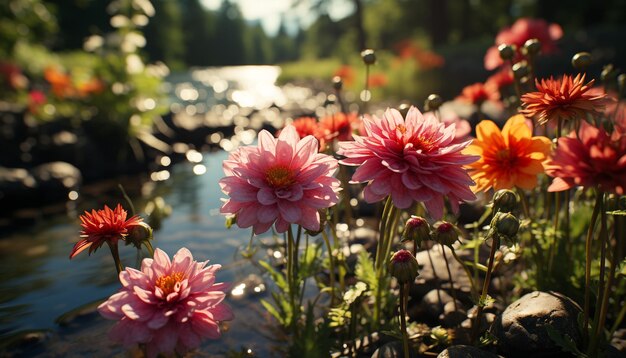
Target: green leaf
column 276, row 276
column 564, row 341
column 365, row 271
column 617, row 212
column 273, row 311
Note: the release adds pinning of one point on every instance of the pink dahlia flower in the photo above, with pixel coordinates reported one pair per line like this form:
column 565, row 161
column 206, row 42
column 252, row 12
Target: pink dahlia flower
column 283, row 180
column 412, row 159
column 592, row 158
column 169, row 306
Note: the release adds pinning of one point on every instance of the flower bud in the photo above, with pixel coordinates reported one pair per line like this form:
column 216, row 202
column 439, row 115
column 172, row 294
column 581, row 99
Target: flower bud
column 368, row 56
column 416, row 229
column 445, row 233
column 337, row 83
column 505, row 201
column 403, row 266
column 505, row 224
column 520, row 70
column 507, row 52
column 139, row 233
column 531, row 47
column 621, row 84
column 403, row 108
column 581, row 60
column 433, row 102
column 608, row 73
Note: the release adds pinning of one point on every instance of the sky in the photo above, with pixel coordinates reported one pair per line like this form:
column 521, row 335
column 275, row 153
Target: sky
column 269, row 12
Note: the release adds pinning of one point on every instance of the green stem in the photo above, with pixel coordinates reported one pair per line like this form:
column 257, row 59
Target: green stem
column 290, row 276
column 618, row 320
column 405, row 335
column 452, row 290
column 379, row 260
column 331, row 263
column 149, row 247
column 130, row 202
column 596, row 329
column 554, row 243
column 116, row 256
column 467, row 272
column 588, row 241
column 495, row 243
column 340, row 263
column 607, row 291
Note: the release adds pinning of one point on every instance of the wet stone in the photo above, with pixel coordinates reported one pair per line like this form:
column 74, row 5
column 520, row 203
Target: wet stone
column 619, row 340
column 452, row 317
column 440, row 274
column 433, row 302
column 521, row 328
column 463, row 351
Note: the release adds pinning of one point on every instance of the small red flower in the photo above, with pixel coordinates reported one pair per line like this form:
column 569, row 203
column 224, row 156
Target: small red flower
column 337, row 126
column 500, row 79
column 477, row 93
column 346, row 73
column 103, row 226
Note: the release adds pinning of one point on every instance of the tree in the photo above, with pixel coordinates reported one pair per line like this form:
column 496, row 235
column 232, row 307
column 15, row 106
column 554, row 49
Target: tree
column 164, row 35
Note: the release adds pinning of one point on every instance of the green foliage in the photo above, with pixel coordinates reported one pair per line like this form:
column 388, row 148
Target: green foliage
column 313, row 340
column 282, row 310
column 564, row 341
column 365, row 271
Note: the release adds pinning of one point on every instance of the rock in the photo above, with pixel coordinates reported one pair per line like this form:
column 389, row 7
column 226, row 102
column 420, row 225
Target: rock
column 618, row 340
column 452, row 317
column 521, row 331
column 486, row 321
column 392, row 350
column 57, row 176
column 463, row 351
column 429, row 277
column 434, row 301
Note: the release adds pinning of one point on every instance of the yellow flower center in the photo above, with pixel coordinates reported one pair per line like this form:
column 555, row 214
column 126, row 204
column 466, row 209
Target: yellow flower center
column 168, row 282
column 401, row 128
column 279, row 177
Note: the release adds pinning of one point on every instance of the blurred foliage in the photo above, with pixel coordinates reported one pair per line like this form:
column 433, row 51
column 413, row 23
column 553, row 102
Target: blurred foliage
column 105, row 88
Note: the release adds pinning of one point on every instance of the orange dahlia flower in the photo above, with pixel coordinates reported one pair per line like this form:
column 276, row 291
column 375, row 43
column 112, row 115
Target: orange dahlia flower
column 565, row 98
column 508, row 158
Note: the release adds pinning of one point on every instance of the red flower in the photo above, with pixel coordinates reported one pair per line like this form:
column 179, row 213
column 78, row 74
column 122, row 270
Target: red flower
column 477, row 93
column 590, row 159
column 522, row 30
column 377, row 80
column 346, row 73
column 500, row 79
column 424, row 58
column 566, row 98
column 35, row 100
column 337, row 126
column 103, row 226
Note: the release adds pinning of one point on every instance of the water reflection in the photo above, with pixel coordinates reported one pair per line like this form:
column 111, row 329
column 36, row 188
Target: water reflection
column 38, row 283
